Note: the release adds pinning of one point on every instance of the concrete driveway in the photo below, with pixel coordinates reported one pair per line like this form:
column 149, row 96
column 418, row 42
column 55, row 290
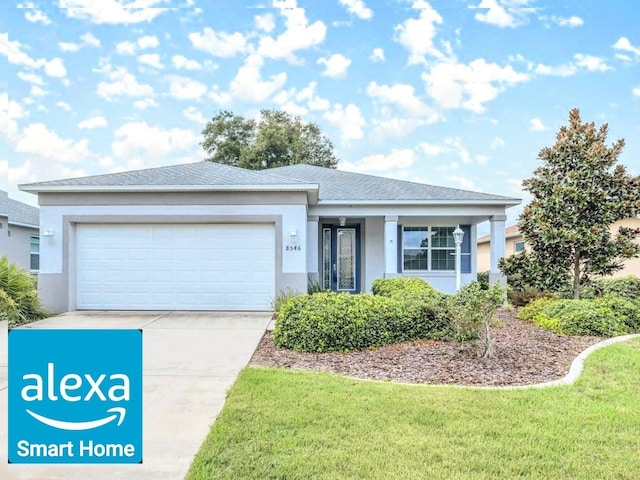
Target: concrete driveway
column 190, row 361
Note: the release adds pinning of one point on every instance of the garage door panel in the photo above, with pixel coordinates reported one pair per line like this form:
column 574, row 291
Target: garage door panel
column 187, row 267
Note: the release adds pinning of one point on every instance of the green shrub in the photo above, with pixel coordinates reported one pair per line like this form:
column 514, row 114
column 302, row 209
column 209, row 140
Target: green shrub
column 531, row 311
column 281, row 297
column 388, row 287
column 520, row 297
column 19, row 300
column 329, row 321
column 483, row 280
column 629, row 309
column 625, row 287
column 581, row 317
column 472, row 309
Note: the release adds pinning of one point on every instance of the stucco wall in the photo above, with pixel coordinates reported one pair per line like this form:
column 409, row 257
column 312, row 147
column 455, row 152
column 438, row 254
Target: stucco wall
column 16, row 243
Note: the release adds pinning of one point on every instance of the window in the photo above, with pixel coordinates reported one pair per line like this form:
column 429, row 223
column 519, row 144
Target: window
column 428, row 248
column 519, row 246
column 35, row 252
column 326, row 258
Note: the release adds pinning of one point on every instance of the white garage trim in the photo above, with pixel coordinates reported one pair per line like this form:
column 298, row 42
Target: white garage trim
column 175, row 266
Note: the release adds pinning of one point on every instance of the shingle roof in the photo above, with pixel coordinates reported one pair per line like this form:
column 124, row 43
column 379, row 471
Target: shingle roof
column 190, row 174
column 18, row 212
column 336, row 185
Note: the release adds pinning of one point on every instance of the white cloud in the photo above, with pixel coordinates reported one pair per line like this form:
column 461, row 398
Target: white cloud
column 402, row 95
column 183, row 63
column 299, row 34
column 470, row 86
column 536, row 125
column 113, row 11
column 151, row 60
column 496, row 143
column 219, row 44
column 248, row 84
column 570, row 22
column 145, row 103
column 63, row 105
column 625, row 45
column 348, row 119
column 55, row 68
column 88, row 39
column 558, row 71
column 335, row 66
column 37, row 139
column 265, row 22
column 126, row 48
column 184, row 88
column 377, row 55
column 380, row 163
column 591, row 63
column 36, row 91
column 290, row 100
column 195, row 115
column 504, row 13
column 417, row 34
column 357, row 8
column 147, row 41
column 142, row 43
column 123, row 83
column 460, row 182
column 13, row 51
column 636, row 91
column 136, row 140
column 10, row 111
column 431, row 149
column 31, row 78
column 93, row 122
column 33, row 14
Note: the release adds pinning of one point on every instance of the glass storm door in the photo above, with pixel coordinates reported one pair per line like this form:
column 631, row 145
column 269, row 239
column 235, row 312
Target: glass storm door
column 341, row 258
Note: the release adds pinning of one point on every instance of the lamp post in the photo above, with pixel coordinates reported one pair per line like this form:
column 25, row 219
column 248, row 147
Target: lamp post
column 458, row 235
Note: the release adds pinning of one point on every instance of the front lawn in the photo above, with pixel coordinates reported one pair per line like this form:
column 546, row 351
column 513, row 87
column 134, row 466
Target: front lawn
column 280, row 424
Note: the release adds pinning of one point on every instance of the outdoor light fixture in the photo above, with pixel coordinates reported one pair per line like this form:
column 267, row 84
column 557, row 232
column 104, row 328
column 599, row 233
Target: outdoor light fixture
column 48, row 232
column 294, row 236
column 343, row 221
column 458, row 235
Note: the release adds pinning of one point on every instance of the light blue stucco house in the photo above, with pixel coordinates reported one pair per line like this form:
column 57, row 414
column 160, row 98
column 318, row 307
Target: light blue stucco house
column 205, row 236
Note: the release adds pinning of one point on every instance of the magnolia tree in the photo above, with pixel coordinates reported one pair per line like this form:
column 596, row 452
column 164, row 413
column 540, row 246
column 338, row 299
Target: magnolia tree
column 276, row 139
column 578, row 192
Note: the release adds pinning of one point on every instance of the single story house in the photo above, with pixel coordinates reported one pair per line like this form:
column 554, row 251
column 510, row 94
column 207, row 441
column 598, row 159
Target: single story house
column 206, row 236
column 515, row 243
column 19, row 233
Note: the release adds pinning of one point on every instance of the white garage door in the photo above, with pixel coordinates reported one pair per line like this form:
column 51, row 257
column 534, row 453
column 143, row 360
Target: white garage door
column 175, row 267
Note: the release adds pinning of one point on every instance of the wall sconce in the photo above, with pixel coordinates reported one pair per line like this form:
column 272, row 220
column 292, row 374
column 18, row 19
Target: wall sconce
column 48, row 232
column 294, row 236
column 343, row 221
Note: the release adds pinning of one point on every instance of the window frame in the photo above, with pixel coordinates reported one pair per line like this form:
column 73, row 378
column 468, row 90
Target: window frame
column 515, row 246
column 33, row 254
column 430, row 248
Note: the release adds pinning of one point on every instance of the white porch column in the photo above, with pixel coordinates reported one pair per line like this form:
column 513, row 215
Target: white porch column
column 312, row 248
column 390, row 246
column 497, row 248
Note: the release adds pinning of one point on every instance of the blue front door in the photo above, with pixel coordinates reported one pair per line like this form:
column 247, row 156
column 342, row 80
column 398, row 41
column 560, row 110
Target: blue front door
column 341, row 258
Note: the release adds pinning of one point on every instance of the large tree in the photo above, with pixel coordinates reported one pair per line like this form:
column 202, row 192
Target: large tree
column 578, row 192
column 277, row 139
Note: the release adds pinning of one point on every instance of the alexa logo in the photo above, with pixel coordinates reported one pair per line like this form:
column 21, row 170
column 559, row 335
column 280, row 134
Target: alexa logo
column 75, row 396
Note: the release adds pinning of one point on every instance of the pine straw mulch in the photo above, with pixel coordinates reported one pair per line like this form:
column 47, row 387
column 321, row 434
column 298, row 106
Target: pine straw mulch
column 523, row 355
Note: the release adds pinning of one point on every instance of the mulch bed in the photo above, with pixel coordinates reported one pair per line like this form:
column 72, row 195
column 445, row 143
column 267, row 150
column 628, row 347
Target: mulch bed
column 523, row 354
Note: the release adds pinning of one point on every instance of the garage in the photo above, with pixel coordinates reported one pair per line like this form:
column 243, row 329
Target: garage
column 174, row 266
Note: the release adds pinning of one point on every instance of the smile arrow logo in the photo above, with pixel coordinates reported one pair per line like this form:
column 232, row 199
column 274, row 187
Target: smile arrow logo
column 118, row 412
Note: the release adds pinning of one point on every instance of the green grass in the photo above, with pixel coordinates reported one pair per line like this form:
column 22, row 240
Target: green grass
column 280, row 424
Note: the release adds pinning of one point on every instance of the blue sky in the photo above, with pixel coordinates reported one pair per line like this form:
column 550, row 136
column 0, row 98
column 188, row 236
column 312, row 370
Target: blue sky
column 460, row 93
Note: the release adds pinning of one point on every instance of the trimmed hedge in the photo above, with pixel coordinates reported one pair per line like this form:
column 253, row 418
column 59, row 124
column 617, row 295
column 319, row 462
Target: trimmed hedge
column 626, row 287
column 389, row 287
column 604, row 317
column 329, row 321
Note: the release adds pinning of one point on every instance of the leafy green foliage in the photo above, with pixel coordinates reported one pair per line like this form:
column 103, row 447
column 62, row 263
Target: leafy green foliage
column 281, row 297
column 580, row 317
column 329, row 321
column 483, row 280
column 19, row 301
column 519, row 297
column 276, row 140
column 389, row 287
column 629, row 309
column 578, row 192
column 472, row 309
column 626, row 287
column 531, row 311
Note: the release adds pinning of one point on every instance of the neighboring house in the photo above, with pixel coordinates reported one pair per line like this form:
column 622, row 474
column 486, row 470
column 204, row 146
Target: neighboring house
column 515, row 243
column 205, row 236
column 19, row 233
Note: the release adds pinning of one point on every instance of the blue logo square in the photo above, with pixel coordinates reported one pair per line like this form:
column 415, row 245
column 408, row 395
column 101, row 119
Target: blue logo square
column 75, row 396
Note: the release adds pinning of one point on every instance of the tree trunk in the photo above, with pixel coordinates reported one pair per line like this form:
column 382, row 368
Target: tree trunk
column 576, row 275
